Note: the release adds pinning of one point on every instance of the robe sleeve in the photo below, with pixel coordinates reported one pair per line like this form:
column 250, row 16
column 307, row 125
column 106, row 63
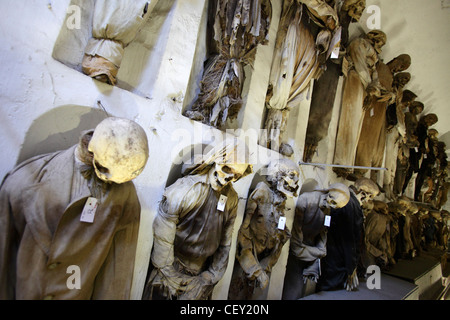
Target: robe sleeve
column 114, row 280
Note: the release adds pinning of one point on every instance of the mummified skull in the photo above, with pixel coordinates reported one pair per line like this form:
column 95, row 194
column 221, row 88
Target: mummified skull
column 355, row 8
column 400, row 63
column 337, row 196
column 401, row 79
column 223, row 174
column 120, row 150
column 284, row 174
column 366, row 190
column 378, row 39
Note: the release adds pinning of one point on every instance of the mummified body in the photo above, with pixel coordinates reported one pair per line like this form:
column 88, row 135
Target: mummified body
column 261, row 238
column 374, row 123
column 361, row 81
column 309, row 237
column 116, row 24
column 325, row 88
column 238, row 26
column 192, row 231
column 300, row 51
column 41, row 204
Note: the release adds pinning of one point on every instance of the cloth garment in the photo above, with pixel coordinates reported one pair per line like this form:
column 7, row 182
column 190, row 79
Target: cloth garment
column 115, row 25
column 344, row 241
column 308, row 244
column 371, row 144
column 260, row 241
column 191, row 238
column 362, row 72
column 41, row 234
column 295, row 64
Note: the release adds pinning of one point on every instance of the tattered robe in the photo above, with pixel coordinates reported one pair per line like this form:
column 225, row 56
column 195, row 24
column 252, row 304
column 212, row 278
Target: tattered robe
column 344, row 241
column 377, row 237
column 308, row 244
column 191, row 236
column 362, row 59
column 115, row 25
column 295, row 64
column 372, row 140
column 253, row 255
column 41, row 234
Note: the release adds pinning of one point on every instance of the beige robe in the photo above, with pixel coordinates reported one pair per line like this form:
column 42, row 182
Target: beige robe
column 115, row 25
column 362, row 59
column 41, row 234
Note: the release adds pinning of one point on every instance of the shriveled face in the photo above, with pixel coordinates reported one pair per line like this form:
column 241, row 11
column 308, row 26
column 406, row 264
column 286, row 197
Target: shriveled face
column 355, row 8
column 284, row 175
column 221, row 175
column 378, row 39
column 366, row 191
column 402, row 79
column 401, row 63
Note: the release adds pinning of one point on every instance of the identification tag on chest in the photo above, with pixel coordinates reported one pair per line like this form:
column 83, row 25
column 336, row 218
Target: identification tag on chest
column 327, row 222
column 222, row 202
column 282, row 223
column 89, row 210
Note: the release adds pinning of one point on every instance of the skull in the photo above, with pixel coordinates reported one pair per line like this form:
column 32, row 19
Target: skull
column 401, row 79
column 408, row 97
column 223, row 174
column 120, row 150
column 366, row 190
column 377, row 39
column 399, row 64
column 355, row 8
column 416, row 107
column 433, row 134
column 337, row 196
column 284, row 175
column 430, row 119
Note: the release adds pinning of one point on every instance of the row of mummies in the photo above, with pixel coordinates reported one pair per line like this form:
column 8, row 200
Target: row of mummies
column 49, row 204
column 44, row 198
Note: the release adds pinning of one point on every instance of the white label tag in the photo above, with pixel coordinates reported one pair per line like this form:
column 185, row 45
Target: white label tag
column 89, row 210
column 372, row 112
column 222, row 202
column 425, row 156
column 416, row 149
column 327, row 221
column 282, row 223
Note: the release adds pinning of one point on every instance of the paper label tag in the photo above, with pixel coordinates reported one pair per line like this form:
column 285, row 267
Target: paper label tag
column 89, row 210
column 335, row 44
column 416, row 149
column 372, row 112
column 327, row 222
column 222, row 202
column 282, row 223
column 425, row 156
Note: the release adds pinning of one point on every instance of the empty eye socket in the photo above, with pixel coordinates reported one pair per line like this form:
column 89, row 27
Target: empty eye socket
column 101, row 168
column 227, row 169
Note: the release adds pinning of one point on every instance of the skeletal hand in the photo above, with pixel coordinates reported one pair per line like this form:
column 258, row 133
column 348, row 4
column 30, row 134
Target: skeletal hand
column 352, row 282
column 262, row 280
